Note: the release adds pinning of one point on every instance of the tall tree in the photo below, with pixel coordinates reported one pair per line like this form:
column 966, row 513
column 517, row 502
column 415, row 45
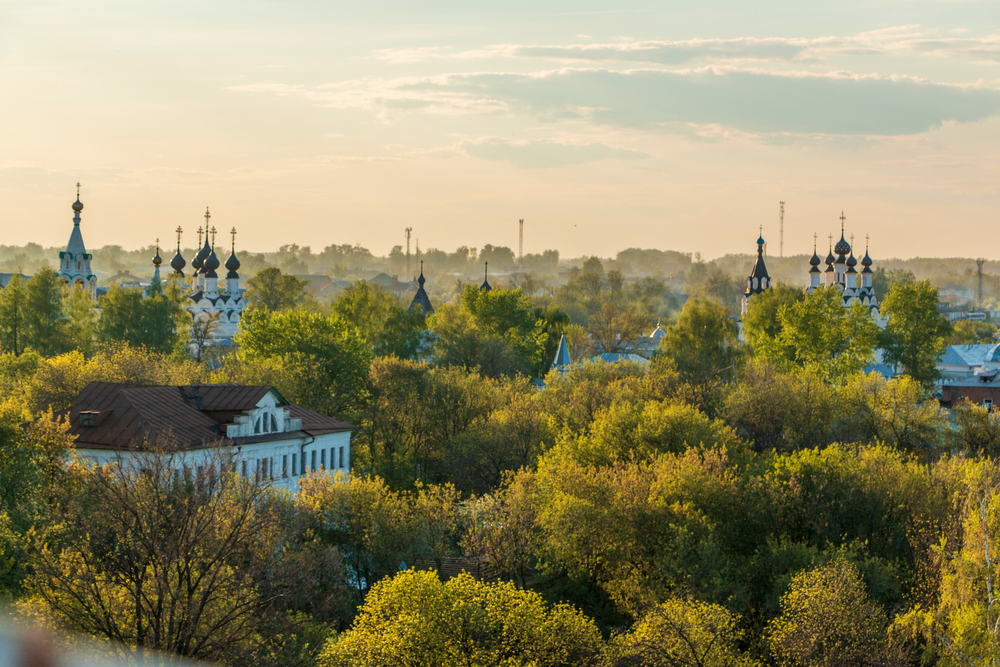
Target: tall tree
column 81, row 317
column 122, row 317
column 275, row 291
column 762, row 321
column 379, row 317
column 45, row 324
column 914, row 336
column 13, row 300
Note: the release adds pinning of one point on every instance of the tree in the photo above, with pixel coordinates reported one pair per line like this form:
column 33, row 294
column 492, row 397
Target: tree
column 703, row 347
column 914, row 336
column 978, row 429
column 762, row 321
column 141, row 320
column 81, row 318
column 827, row 338
column 13, row 301
column 883, row 281
column 318, row 362
column 376, row 313
column 898, row 412
column 971, row 332
column 828, row 620
column 45, row 325
column 416, row 620
column 275, row 291
column 615, row 328
column 682, row 632
column 152, row 556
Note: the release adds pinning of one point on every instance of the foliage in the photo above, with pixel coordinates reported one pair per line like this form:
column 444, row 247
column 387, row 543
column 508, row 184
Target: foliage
column 977, row 429
column 762, row 321
column 898, row 412
column 377, row 315
column 274, row 291
column 317, row 361
column 414, row 619
column 137, row 320
column 915, row 334
column 828, row 619
column 682, row 632
column 972, row 332
column 13, row 301
column 45, row 324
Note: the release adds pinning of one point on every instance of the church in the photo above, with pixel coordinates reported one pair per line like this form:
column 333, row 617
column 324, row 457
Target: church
column 841, row 274
column 74, row 262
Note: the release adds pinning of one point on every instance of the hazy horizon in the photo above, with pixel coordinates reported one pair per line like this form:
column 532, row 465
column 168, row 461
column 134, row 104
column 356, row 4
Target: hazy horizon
column 604, row 126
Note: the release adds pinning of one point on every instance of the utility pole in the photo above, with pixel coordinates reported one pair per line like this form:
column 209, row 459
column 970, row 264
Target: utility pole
column 520, row 246
column 408, row 230
column 781, row 230
column 979, row 275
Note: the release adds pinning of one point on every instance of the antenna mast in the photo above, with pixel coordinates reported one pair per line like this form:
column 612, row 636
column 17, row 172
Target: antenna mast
column 408, row 230
column 520, row 246
column 979, row 275
column 781, row 230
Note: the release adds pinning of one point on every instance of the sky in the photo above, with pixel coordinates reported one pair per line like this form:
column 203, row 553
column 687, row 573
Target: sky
column 604, row 125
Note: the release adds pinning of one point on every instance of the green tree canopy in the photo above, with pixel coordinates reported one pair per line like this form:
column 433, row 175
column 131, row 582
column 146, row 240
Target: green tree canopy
column 417, row 620
column 13, row 302
column 914, row 336
column 275, row 291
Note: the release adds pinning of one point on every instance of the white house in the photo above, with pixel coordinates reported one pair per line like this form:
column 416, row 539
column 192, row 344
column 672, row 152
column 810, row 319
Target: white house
column 964, row 361
column 267, row 437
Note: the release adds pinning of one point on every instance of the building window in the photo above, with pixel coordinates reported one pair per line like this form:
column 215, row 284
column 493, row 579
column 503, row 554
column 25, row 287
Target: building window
column 274, row 424
column 295, row 460
column 256, row 427
column 322, row 459
column 244, row 470
column 284, row 465
column 313, row 466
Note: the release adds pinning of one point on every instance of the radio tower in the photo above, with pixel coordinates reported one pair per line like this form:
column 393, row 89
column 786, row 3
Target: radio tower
column 979, row 275
column 408, row 230
column 520, row 246
column 781, row 230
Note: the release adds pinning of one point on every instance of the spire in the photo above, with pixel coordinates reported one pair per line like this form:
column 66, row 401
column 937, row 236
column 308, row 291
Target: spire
column 562, row 354
column 233, row 264
column 420, row 298
column 157, row 260
column 758, row 280
column 485, row 287
column 199, row 259
column 178, row 263
column 77, row 206
column 814, row 261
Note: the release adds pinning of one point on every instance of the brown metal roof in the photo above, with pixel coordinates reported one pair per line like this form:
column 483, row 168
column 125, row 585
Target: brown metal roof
column 185, row 417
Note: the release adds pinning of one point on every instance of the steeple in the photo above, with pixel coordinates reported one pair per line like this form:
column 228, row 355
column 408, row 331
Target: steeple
column 420, row 298
column 485, row 287
column 178, row 263
column 74, row 262
column 232, row 267
column 157, row 260
column 199, row 260
column 814, row 272
column 758, row 280
column 562, row 354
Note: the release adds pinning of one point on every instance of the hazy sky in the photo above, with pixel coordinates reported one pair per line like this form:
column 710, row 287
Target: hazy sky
column 673, row 125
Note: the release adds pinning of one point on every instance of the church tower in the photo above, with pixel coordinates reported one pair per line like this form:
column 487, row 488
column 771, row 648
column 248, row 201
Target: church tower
column 74, row 262
column 758, row 280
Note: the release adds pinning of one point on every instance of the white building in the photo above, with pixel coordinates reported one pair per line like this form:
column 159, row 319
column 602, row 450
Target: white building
column 74, row 262
column 266, row 436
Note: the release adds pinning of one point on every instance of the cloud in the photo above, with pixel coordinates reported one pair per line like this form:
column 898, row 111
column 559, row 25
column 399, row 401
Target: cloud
column 747, row 100
column 545, row 154
column 896, row 41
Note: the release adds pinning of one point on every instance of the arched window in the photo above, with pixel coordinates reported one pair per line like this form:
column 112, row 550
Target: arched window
column 256, row 427
column 274, row 424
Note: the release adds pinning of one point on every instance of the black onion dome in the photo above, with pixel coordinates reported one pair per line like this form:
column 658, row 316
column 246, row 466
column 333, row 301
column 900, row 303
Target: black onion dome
column 830, row 259
column 232, row 265
column 178, row 263
column 421, row 280
column 77, row 205
column 211, row 264
column 198, row 263
column 866, row 260
column 157, row 260
column 814, row 260
column 842, row 247
column 851, row 261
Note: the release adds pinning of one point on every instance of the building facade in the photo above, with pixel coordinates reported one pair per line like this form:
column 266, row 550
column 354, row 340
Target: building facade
column 262, row 434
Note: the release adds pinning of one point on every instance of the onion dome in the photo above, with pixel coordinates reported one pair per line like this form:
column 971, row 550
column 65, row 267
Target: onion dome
column 233, row 265
column 758, row 280
column 814, row 260
column 851, row 261
column 157, row 260
column 77, row 205
column 211, row 264
column 842, row 247
column 421, row 280
column 420, row 298
column 866, row 260
column 200, row 259
column 178, row 263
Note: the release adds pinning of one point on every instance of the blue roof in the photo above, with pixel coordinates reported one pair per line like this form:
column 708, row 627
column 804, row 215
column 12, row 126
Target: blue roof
column 971, row 355
column 618, row 357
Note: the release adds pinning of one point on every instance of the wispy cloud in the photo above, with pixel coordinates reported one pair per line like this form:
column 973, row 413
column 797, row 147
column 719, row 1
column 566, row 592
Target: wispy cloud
column 895, row 41
column 748, row 100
